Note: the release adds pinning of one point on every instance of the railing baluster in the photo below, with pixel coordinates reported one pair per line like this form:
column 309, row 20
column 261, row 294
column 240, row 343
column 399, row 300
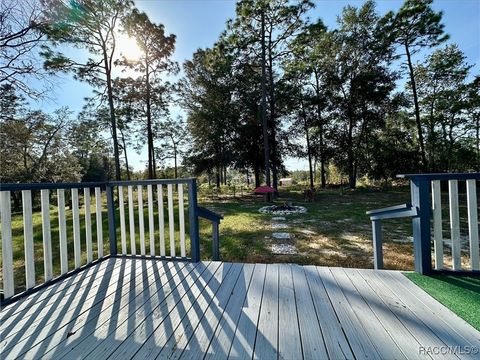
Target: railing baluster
column 47, row 237
column 181, row 220
column 62, row 231
column 437, row 223
column 131, row 221
column 77, row 251
column 123, row 235
column 98, row 214
column 151, row 226
column 141, row 225
column 473, row 224
column 171, row 220
column 455, row 224
column 28, row 238
column 88, row 224
column 7, row 253
column 161, row 221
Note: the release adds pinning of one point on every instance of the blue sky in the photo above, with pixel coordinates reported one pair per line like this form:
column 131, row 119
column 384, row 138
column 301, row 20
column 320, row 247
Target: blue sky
column 197, row 24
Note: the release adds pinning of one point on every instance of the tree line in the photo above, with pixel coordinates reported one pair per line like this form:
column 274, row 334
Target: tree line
column 333, row 96
column 374, row 96
column 123, row 114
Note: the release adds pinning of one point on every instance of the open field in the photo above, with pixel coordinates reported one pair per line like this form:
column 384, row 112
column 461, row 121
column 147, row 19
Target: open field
column 335, row 231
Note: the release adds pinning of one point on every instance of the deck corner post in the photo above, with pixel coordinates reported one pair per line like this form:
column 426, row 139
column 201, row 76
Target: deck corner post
column 193, row 221
column 112, row 230
column 215, row 243
column 420, row 191
column 377, row 244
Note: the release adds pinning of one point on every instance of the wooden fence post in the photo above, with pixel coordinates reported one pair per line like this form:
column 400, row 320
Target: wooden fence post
column 112, row 229
column 215, row 243
column 193, row 221
column 422, row 248
column 377, row 244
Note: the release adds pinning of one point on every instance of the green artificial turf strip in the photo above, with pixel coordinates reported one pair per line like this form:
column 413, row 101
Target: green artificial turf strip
column 461, row 294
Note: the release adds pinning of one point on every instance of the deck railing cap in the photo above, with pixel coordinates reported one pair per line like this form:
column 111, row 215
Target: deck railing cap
column 441, row 176
column 81, row 185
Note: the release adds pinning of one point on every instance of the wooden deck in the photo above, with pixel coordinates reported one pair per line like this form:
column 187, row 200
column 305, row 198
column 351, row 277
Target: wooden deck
column 146, row 309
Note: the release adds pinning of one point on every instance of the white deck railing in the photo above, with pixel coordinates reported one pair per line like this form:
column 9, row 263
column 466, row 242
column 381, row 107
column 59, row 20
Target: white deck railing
column 167, row 197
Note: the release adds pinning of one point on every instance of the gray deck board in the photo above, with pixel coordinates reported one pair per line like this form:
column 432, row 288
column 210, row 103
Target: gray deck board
column 288, row 329
column 145, row 308
column 242, row 346
column 266, row 340
column 223, row 337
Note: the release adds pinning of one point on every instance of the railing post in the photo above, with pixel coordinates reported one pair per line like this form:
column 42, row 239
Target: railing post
column 215, row 244
column 420, row 192
column 193, row 221
column 112, row 229
column 377, row 244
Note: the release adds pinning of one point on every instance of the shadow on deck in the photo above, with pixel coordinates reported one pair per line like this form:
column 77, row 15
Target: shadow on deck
column 139, row 308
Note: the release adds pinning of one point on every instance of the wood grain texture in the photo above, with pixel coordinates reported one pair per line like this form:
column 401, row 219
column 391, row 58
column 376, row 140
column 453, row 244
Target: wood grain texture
column 28, row 236
column 147, row 308
column 7, row 253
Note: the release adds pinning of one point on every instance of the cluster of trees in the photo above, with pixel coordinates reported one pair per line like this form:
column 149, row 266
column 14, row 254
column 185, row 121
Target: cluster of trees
column 277, row 84
column 124, row 114
column 374, row 96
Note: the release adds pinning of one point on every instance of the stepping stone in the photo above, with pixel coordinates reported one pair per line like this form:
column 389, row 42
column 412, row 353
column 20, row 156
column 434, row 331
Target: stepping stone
column 278, row 218
column 408, row 239
column 283, row 249
column 281, row 235
column 307, row 232
column 280, row 226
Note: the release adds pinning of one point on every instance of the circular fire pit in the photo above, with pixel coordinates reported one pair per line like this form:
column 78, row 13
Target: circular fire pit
column 282, row 209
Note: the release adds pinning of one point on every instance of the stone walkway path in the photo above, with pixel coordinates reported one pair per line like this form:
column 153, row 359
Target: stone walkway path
column 280, row 247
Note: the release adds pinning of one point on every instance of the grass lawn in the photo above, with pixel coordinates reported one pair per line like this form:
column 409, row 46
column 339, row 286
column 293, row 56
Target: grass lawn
column 335, row 231
column 461, row 294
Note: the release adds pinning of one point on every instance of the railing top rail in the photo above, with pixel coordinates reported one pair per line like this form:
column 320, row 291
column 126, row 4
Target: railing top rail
column 441, row 176
column 42, row 186
column 208, row 214
column 151, row 182
column 81, row 185
column 389, row 209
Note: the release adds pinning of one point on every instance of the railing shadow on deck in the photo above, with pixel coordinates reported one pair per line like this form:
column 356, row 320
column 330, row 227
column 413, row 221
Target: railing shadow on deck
column 153, row 301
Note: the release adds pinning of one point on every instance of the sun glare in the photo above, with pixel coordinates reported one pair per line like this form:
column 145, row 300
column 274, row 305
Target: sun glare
column 128, row 47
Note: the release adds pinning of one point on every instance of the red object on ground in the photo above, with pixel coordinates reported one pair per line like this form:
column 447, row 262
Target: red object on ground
column 264, row 190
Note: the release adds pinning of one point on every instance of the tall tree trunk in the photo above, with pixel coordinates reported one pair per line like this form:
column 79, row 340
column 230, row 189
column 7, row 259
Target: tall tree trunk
column 256, row 171
column 149, row 122
column 266, row 147
column 154, row 164
column 218, row 177
column 309, row 152
column 417, row 109
column 272, row 119
column 125, row 154
column 113, row 121
column 323, row 180
column 352, row 181
column 175, row 160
